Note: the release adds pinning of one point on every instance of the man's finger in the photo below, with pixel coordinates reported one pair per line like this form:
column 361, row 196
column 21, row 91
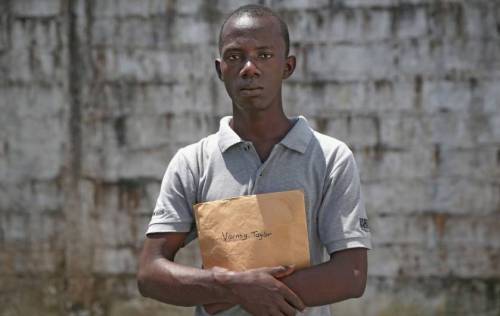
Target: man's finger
column 276, row 312
column 292, row 298
column 286, row 308
column 215, row 308
column 283, row 273
column 219, row 269
column 271, row 270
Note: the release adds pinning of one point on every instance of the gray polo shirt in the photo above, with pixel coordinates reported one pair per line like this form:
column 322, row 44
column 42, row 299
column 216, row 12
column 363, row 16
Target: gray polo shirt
column 223, row 165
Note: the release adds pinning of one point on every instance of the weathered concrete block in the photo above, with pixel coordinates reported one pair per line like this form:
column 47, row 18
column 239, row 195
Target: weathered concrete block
column 471, row 231
column 459, row 196
column 44, row 196
column 409, row 21
column 486, row 128
column 128, row 8
column 4, row 34
column 338, row 127
column 29, row 33
column 119, row 161
column 350, row 62
column 337, row 25
column 135, row 32
column 349, row 96
column 391, row 96
column 479, row 19
column 481, row 56
column 190, row 30
column 137, row 306
column 384, row 262
column 386, row 165
column 104, row 31
column 20, row 69
column 397, row 196
column 35, row 149
column 364, row 131
column 446, row 95
column 146, row 131
column 301, row 99
column 346, row 25
column 32, row 196
column 491, row 96
column 371, row 3
column 13, row 227
column 404, row 130
column 147, row 165
column 298, row 4
column 477, row 163
column 114, row 261
column 376, row 25
column 451, row 129
column 420, row 56
column 412, row 231
column 154, row 66
column 187, row 7
column 33, row 8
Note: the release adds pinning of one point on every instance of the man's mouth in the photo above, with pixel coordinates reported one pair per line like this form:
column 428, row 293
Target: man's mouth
column 251, row 91
column 251, row 88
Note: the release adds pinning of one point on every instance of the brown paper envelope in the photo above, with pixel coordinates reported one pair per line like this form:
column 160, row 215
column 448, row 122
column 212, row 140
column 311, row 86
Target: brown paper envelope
column 253, row 231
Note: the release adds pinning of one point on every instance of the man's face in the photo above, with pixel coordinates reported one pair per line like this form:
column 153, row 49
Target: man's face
column 253, row 62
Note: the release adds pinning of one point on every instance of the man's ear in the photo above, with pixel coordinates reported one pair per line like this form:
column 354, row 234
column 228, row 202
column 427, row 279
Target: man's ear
column 217, row 68
column 290, row 64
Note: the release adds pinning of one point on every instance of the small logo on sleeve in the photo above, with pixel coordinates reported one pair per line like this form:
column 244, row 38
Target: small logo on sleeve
column 363, row 223
column 159, row 212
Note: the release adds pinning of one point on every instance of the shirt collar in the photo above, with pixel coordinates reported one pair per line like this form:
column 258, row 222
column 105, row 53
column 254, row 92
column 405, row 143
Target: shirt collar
column 296, row 139
column 227, row 137
column 299, row 136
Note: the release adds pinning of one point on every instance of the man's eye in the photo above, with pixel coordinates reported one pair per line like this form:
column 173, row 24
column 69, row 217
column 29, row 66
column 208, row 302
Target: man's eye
column 233, row 57
column 266, row 55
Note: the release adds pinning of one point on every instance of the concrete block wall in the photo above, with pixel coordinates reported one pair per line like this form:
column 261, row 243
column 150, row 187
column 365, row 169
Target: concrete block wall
column 96, row 97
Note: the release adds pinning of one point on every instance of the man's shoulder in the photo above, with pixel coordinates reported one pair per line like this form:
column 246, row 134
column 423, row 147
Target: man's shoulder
column 199, row 149
column 332, row 148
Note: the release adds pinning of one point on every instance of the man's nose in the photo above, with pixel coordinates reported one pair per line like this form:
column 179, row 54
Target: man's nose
column 249, row 70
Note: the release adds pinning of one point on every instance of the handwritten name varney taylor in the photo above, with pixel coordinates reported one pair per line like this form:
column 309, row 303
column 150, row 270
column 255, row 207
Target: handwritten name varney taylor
column 229, row 236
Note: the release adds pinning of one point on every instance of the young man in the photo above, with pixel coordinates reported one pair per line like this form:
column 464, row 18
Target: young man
column 259, row 150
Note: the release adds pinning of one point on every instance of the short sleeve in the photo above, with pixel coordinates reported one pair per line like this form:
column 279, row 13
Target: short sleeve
column 173, row 211
column 342, row 219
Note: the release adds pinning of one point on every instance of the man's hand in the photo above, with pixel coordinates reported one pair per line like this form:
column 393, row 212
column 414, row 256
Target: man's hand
column 258, row 291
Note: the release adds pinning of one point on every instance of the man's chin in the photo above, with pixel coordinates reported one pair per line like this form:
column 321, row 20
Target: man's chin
column 252, row 105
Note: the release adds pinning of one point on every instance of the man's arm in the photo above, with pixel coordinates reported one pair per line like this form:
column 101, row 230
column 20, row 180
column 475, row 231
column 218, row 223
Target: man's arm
column 162, row 279
column 341, row 278
column 257, row 291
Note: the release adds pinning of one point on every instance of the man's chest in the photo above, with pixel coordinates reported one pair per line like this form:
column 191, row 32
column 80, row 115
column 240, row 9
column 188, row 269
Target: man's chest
column 240, row 172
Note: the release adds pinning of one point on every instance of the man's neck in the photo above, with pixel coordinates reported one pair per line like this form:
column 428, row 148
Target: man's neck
column 263, row 126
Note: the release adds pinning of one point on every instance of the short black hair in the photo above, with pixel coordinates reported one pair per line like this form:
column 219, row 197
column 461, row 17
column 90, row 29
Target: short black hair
column 256, row 10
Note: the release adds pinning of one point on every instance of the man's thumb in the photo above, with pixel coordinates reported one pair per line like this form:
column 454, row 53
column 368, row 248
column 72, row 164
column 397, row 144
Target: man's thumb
column 281, row 271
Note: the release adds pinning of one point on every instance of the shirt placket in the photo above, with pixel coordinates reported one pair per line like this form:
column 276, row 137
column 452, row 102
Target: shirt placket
column 259, row 172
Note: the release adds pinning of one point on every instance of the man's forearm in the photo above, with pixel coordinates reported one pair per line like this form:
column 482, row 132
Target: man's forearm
column 341, row 278
column 176, row 284
column 256, row 290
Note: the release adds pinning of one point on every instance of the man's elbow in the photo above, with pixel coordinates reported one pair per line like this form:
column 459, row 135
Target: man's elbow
column 358, row 285
column 142, row 282
column 358, row 292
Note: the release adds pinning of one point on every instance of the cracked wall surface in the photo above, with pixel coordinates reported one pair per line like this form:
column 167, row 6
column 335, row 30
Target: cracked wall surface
column 96, row 97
